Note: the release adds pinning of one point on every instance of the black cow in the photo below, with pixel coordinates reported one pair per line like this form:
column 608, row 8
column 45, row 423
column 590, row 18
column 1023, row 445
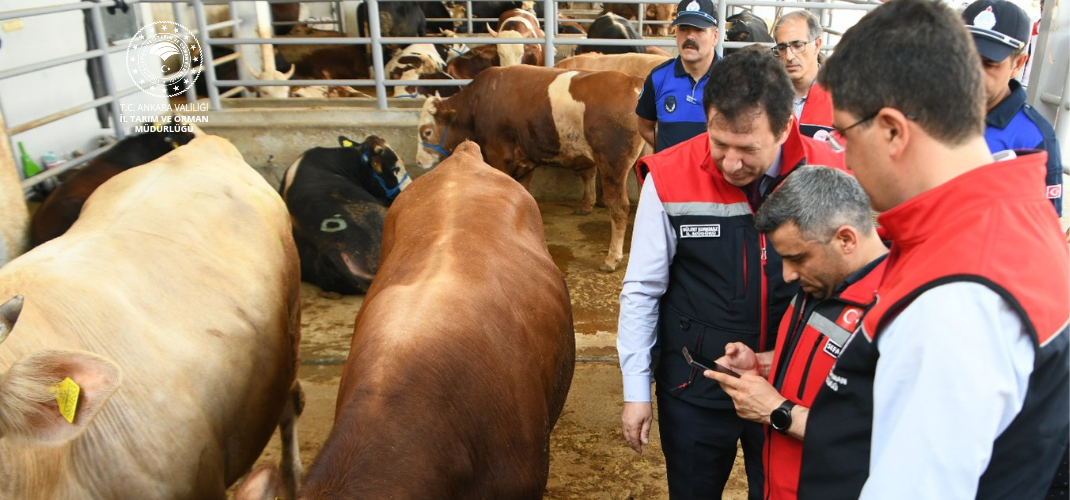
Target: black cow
column 337, row 199
column 486, row 10
column 746, row 27
column 613, row 27
column 59, row 211
column 436, row 10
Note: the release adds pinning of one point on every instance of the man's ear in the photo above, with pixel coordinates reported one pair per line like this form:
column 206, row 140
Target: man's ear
column 846, row 239
column 1019, row 64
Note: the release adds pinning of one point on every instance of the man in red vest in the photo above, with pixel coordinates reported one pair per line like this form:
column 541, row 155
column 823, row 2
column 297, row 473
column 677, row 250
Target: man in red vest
column 798, row 44
column 819, row 222
column 957, row 384
column 700, row 276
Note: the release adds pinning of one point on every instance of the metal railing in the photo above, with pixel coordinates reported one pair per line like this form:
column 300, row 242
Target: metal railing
column 375, row 41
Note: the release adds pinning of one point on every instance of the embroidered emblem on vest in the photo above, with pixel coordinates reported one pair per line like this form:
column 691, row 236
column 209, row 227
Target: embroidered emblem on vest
column 833, row 349
column 670, row 104
column 1055, row 191
column 700, row 231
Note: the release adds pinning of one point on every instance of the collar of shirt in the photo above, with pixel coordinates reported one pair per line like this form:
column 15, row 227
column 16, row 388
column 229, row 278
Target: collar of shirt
column 859, row 274
column 773, row 172
column 1008, row 108
column 680, row 72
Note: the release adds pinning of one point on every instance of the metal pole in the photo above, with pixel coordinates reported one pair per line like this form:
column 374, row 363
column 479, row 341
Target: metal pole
column 377, row 52
column 191, row 92
column 550, row 22
column 206, row 55
column 722, row 13
column 101, row 40
column 468, row 14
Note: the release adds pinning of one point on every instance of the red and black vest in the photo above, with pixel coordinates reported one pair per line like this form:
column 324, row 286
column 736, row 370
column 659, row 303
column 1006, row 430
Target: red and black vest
column 991, row 226
column 812, row 335
column 725, row 282
column 816, row 117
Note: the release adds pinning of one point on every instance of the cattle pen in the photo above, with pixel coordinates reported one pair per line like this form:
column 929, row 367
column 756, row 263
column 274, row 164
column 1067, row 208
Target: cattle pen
column 69, row 90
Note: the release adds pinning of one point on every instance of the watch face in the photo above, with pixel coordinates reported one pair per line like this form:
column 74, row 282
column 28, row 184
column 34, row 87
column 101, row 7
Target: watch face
column 780, row 419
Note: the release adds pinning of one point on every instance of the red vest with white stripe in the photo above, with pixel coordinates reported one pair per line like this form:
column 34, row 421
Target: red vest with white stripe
column 724, row 281
column 992, row 226
column 811, row 337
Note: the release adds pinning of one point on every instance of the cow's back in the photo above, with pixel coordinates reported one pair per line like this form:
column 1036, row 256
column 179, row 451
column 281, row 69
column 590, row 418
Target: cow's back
column 638, row 65
column 462, row 353
column 183, row 272
column 526, row 115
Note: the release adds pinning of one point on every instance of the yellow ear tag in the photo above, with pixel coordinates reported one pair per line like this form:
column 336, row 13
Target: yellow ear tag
column 347, row 143
column 67, row 396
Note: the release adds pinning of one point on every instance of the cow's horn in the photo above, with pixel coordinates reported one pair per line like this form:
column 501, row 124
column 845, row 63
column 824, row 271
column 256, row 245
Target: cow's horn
column 491, row 31
column 288, row 74
column 9, row 313
column 253, row 71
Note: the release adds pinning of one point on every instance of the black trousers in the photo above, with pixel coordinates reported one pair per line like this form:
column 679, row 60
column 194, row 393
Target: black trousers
column 700, row 448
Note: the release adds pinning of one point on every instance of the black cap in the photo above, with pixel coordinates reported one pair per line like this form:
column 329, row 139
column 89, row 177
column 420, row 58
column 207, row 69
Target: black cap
column 697, row 13
column 998, row 27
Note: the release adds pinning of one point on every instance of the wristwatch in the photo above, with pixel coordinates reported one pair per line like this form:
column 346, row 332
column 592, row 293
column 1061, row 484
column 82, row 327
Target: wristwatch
column 780, row 419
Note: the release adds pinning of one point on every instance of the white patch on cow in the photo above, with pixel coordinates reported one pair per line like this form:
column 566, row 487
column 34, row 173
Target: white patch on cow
column 290, row 174
column 568, row 117
column 427, row 158
column 521, row 20
column 333, row 224
column 510, row 54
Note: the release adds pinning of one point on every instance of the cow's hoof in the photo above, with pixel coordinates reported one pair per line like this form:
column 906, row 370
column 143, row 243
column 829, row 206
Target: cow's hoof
column 608, row 267
column 582, row 211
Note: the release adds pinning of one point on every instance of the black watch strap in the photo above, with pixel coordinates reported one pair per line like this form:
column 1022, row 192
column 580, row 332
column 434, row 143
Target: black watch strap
column 780, row 418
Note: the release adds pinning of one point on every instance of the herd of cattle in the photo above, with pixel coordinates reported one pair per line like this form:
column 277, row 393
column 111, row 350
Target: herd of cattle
column 164, row 281
column 441, row 59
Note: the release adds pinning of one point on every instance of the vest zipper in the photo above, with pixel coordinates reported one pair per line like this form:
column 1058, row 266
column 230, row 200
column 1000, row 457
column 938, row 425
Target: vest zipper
column 765, row 292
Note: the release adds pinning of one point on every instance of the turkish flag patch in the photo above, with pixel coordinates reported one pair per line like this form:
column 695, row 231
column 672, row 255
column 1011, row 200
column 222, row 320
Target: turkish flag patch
column 848, row 319
column 1055, row 191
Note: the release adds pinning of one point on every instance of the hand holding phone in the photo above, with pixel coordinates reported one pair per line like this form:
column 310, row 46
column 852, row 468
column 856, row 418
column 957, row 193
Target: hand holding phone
column 703, row 363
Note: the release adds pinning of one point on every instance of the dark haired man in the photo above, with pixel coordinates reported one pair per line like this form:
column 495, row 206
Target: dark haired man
column 670, row 105
column 1001, row 33
column 819, row 222
column 957, row 385
column 700, row 276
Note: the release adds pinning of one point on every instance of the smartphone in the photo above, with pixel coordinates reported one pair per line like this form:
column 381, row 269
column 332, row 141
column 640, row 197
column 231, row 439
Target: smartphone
column 703, row 363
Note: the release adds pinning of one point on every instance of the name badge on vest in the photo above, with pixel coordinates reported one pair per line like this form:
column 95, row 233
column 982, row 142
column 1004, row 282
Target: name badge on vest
column 700, row 231
column 670, row 104
column 833, row 349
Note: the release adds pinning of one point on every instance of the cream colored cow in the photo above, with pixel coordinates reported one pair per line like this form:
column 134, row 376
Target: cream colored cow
column 183, row 273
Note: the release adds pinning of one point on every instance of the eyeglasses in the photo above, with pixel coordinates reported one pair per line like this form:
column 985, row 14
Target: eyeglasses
column 838, row 138
column 797, row 47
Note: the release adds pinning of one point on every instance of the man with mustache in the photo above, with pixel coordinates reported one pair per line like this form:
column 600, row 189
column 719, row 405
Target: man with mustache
column 701, row 276
column 798, row 42
column 670, row 105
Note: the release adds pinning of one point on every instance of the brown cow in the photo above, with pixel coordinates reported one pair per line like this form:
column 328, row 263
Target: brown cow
column 631, row 63
column 455, row 394
column 466, row 66
column 518, row 23
column 183, row 273
column 527, row 116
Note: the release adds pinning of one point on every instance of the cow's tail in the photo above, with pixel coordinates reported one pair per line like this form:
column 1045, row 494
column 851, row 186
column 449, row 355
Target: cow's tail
column 290, row 462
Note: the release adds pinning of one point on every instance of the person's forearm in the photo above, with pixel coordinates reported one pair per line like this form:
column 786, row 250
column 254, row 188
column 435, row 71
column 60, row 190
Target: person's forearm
column 799, row 414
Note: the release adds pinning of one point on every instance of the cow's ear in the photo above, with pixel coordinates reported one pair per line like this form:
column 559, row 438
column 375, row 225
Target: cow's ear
column 31, row 390
column 345, row 142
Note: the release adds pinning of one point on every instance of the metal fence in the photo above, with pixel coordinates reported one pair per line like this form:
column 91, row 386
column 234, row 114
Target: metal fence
column 113, row 91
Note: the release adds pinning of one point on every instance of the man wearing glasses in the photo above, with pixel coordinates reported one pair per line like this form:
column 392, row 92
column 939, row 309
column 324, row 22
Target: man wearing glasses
column 957, row 384
column 798, row 42
column 670, row 105
column 701, row 276
column 1001, row 33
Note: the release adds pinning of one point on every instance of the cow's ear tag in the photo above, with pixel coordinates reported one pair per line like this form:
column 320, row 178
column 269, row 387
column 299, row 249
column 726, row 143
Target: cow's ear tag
column 67, row 396
column 346, row 143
